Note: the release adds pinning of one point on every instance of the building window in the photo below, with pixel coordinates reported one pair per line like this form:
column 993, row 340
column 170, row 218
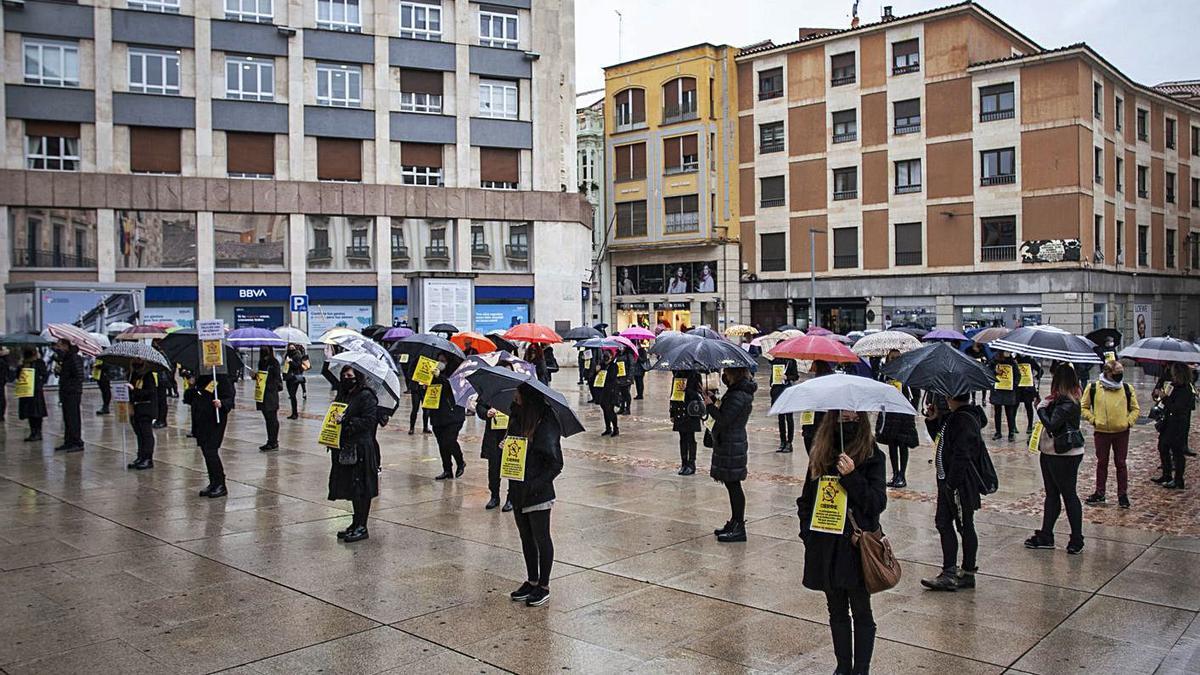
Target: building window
column 631, row 219
column 258, row 11
column 845, row 247
column 998, row 240
column 72, row 240
column 908, row 176
column 164, row 6
column 1143, row 124
column 51, row 146
column 770, row 137
column 1120, row 242
column 154, row 150
column 420, row 91
column 339, row 85
column 1170, row 248
column 499, row 168
column 772, row 252
column 498, row 98
column 1194, row 238
column 250, row 78
column 1098, row 238
column 1097, row 100
column 339, row 159
column 1170, row 132
column 907, row 116
column 842, row 69
column 845, row 126
column 1196, row 193
column 480, row 251
column 997, row 167
column 437, row 250
column 244, row 241
column 497, row 29
column 516, row 252
column 51, row 63
column 249, row 155
column 679, row 100
column 997, row 102
column 1143, row 177
column 1120, row 177
column 155, row 240
column 420, row 21
column 421, row 164
column 906, row 57
column 680, row 154
column 1170, row 185
column 630, row 162
column 770, row 84
column 340, row 242
column 683, row 214
column 1098, row 164
column 1196, row 141
column 153, row 71
column 771, row 191
column 631, row 108
column 908, row 244
column 339, row 15
column 400, row 257
column 845, row 183
column 1119, row 116
column 1143, row 246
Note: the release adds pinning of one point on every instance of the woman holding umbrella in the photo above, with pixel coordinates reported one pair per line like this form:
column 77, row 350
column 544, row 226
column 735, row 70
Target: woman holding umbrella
column 731, row 445
column 447, row 418
column 1176, row 421
column 212, row 403
column 1004, row 395
column 354, row 465
column 898, row 431
column 496, row 429
column 269, row 372
column 606, row 392
column 1060, row 460
column 686, row 400
column 295, row 362
column 641, row 364
column 143, row 396
column 33, row 407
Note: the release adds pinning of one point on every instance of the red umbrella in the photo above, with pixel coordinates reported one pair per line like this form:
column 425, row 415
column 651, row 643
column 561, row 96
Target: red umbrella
column 532, row 332
column 470, row 340
column 813, row 348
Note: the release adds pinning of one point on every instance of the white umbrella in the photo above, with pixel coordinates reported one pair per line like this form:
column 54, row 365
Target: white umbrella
column 101, row 339
column 379, row 376
column 118, row 327
column 842, row 392
column 879, row 344
column 357, row 343
column 294, row 336
column 331, row 336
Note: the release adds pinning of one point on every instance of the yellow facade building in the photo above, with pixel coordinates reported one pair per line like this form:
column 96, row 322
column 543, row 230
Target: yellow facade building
column 671, row 242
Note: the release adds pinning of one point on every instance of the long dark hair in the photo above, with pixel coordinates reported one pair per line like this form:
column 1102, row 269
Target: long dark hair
column 1180, row 374
column 529, row 413
column 857, row 440
column 1065, row 382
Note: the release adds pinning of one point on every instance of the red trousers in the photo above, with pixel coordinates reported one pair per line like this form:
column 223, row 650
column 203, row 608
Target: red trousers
column 1118, row 444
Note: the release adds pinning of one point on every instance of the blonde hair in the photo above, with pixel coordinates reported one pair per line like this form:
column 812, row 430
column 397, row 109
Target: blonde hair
column 827, row 446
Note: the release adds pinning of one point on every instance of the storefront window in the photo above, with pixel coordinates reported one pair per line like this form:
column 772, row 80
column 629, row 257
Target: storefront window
column 633, row 314
column 920, row 317
column 156, row 240
column 674, row 316
column 1008, row 316
column 60, row 238
column 340, row 242
column 250, row 241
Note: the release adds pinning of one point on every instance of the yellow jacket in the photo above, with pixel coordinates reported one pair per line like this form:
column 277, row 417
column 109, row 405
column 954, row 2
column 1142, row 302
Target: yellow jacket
column 1111, row 413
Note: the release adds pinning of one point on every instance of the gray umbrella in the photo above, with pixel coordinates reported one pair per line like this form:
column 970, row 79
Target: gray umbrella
column 1162, row 349
column 122, row 354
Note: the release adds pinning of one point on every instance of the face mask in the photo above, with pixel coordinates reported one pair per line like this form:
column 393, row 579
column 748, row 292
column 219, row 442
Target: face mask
column 440, row 367
column 1117, row 377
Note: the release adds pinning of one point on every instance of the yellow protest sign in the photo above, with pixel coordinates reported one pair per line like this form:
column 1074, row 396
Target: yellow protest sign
column 260, row 386
column 96, row 372
column 1004, row 377
column 896, row 383
column 1035, row 437
column 211, row 354
column 678, row 389
column 211, row 387
column 808, row 418
column 620, row 369
column 513, row 450
column 500, row 421
column 24, row 384
column 710, row 422
column 424, row 371
column 587, row 360
column 331, row 428
column 778, row 373
column 829, row 508
column 433, row 397
column 1026, row 371
column 1110, row 356
column 601, row 378
column 287, row 365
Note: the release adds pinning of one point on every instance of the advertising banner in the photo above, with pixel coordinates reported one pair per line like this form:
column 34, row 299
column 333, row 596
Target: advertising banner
column 323, row 317
column 184, row 317
column 499, row 317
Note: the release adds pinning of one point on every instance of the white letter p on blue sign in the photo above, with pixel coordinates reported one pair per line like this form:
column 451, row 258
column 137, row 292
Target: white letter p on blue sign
column 300, row 303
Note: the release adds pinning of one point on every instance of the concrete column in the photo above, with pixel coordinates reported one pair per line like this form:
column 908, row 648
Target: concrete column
column 383, row 106
column 4, row 125
column 875, row 303
column 462, row 245
column 102, row 27
column 464, row 29
column 297, row 247
column 946, row 316
column 106, row 246
column 296, row 85
column 204, row 94
column 5, row 250
column 383, row 270
column 206, row 261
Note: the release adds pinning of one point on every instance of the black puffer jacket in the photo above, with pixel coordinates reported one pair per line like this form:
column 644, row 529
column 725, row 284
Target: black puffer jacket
column 448, row 413
column 830, row 560
column 1061, row 416
column 962, row 441
column 897, row 429
column 1177, row 418
column 730, row 443
column 543, row 463
column 680, row 421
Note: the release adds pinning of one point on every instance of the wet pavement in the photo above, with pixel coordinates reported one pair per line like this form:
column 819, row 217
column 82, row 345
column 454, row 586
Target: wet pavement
column 103, row 569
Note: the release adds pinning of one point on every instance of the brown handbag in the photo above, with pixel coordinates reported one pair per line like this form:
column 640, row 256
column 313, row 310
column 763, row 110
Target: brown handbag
column 880, row 568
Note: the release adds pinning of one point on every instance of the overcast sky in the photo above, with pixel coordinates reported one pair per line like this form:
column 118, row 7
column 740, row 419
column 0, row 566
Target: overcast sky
column 1149, row 40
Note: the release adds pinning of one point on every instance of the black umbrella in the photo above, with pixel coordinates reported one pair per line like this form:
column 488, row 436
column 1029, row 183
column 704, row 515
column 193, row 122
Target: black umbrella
column 582, row 333
column 911, row 330
column 787, row 326
column 1048, row 342
column 183, row 348
column 1162, row 349
column 374, row 331
column 496, row 387
column 424, row 344
column 703, row 355
column 707, row 333
column 445, row 328
column 1103, row 335
column 940, row 368
column 503, row 344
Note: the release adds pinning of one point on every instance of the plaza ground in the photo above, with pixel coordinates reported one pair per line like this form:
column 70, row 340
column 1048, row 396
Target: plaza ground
column 103, row 569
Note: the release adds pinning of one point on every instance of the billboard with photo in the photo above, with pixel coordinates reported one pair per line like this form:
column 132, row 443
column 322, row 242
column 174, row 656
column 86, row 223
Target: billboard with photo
column 673, row 278
column 184, row 317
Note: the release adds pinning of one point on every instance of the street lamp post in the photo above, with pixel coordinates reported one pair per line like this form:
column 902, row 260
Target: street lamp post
column 812, row 276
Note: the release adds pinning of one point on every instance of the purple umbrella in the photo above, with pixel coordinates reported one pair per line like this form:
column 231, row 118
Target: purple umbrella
column 464, row 393
column 397, row 333
column 242, row 338
column 943, row 335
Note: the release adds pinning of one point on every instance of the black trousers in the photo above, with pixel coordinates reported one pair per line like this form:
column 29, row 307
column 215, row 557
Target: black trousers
column 1010, row 413
column 161, row 401
column 687, row 448
column 362, row 509
column 950, row 514
column 1060, row 476
column 536, row 545
column 292, row 387
column 899, row 457
column 582, row 373
column 639, row 383
column 626, row 399
column 494, row 475
column 448, row 447
column 737, row 501
column 35, row 426
column 105, row 387
column 1029, row 414
column 212, row 453
column 610, row 417
column 416, row 397
column 787, row 427
column 271, row 418
column 143, row 431
column 852, row 648
column 72, row 425
column 1172, row 460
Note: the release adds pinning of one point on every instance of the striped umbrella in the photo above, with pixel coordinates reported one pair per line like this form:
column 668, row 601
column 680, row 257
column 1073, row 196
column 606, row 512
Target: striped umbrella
column 122, row 354
column 243, row 338
column 143, row 332
column 76, row 336
column 881, row 343
column 1048, row 342
column 986, row 335
column 1162, row 349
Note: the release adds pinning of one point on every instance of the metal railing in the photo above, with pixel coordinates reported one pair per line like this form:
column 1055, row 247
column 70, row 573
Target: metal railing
column 845, row 260
column 901, row 70
column 399, row 254
column 1007, row 252
column 34, row 258
column 907, row 128
column 997, row 115
column 322, row 253
column 908, row 189
column 773, row 201
column 766, row 94
column 845, row 194
column 908, row 258
column 844, row 79
column 846, row 137
column 480, row 251
column 679, row 113
column 516, row 252
column 437, row 253
column 1000, row 179
column 358, row 252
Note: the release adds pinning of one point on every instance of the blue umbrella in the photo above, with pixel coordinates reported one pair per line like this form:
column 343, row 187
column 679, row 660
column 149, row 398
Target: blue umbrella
column 243, row 338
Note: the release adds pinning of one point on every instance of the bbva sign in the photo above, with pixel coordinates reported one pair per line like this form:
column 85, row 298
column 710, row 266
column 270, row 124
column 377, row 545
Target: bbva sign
column 251, row 293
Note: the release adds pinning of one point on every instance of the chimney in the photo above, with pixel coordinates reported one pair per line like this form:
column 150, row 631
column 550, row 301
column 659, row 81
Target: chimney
column 854, row 15
column 887, row 13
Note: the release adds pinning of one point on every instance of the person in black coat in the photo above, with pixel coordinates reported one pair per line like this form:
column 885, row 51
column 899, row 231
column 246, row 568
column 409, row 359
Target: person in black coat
column 1060, row 453
column 808, row 432
column 687, row 426
column 268, row 368
column 354, row 466
column 584, row 362
column 1029, row 374
column 551, row 362
column 104, row 377
column 496, row 428
column 6, row 376
column 960, row 441
column 416, row 394
column 979, row 355
column 1004, row 395
column 1177, row 406
column 212, row 403
column 447, row 418
column 33, row 408
column 731, row 446
column 164, row 383
column 533, row 497
column 784, row 373
column 624, row 361
column 608, row 394
column 294, row 365
column 143, row 397
column 844, row 448
column 641, row 365
column 535, row 354
column 69, row 365
column 898, row 432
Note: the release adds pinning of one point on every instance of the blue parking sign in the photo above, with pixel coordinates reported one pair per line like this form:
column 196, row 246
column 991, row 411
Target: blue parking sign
column 300, row 303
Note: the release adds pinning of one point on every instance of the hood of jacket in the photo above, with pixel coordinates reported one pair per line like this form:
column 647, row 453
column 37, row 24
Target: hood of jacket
column 977, row 412
column 748, row 385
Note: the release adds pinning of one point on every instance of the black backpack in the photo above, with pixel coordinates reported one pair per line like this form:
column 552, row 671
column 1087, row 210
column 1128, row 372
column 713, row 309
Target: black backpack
column 985, row 471
column 1130, row 397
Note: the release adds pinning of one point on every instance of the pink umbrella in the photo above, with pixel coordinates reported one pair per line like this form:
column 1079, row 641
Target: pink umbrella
column 817, row 330
column 625, row 341
column 76, row 336
column 637, row 333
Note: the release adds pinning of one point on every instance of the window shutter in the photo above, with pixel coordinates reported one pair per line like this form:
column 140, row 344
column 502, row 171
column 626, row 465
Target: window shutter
column 908, row 238
column 845, row 241
column 421, row 154
column 843, row 60
column 52, row 129
column 638, row 97
column 905, row 48
column 690, row 144
column 671, row 93
column 671, row 150
column 339, row 159
column 500, row 165
column 250, row 153
column 909, row 108
column 624, row 162
column 639, row 160
column 687, row 84
column 772, row 188
column 420, row 81
column 154, row 150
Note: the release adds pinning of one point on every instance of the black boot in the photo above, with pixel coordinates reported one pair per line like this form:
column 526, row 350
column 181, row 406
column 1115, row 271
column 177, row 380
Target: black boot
column 736, row 532
column 946, row 581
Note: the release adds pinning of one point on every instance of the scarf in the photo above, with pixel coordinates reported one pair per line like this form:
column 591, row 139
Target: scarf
column 1109, row 384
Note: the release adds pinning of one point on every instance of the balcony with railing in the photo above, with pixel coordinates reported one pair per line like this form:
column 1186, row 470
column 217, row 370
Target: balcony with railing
column 772, row 201
column 1002, row 253
column 481, row 252
column 840, row 195
column 400, row 255
column 437, row 253
column 905, row 69
column 767, row 94
column 320, row 254
column 908, row 189
column 846, row 137
column 908, row 258
column 36, row 258
column 677, row 223
column 688, row 166
column 908, row 127
column 999, row 179
column 679, row 112
column 845, row 260
column 997, row 115
column 516, row 252
column 358, row 253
